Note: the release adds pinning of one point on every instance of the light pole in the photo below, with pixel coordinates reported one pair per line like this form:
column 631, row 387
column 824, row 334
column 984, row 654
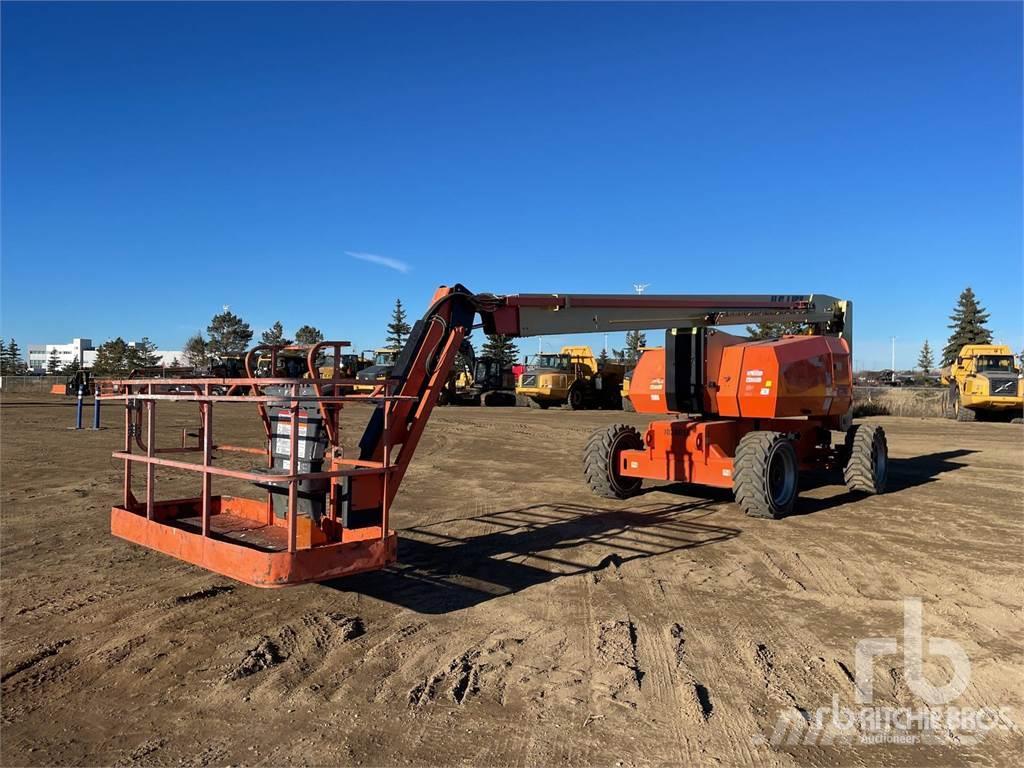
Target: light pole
column 893, row 359
column 639, row 288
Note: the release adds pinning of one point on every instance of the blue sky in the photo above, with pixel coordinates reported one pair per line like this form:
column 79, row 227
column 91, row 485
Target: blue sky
column 160, row 161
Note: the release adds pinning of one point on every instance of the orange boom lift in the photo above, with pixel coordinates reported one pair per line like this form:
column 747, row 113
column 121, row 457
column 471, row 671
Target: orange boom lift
column 746, row 415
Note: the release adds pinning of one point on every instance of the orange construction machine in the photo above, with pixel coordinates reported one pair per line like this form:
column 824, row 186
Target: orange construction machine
column 746, row 415
column 757, row 413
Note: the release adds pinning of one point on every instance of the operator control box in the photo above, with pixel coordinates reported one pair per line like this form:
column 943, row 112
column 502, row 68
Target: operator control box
column 312, row 443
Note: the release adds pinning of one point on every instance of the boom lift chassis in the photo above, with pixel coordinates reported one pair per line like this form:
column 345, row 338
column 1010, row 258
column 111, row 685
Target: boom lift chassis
column 280, row 540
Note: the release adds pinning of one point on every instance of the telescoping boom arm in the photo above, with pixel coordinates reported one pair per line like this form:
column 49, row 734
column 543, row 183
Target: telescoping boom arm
column 423, row 366
column 542, row 314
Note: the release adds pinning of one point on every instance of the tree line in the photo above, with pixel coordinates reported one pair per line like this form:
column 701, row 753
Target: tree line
column 112, row 357
column 229, row 336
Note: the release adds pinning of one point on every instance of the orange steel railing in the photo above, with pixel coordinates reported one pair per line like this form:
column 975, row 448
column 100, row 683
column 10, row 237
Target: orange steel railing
column 211, row 530
column 139, row 392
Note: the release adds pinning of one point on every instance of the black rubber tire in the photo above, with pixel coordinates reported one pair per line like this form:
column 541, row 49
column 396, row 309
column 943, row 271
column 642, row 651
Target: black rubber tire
column 498, row 399
column 577, row 399
column 759, row 457
column 627, row 404
column 867, row 459
column 444, row 397
column 963, row 414
column 601, row 461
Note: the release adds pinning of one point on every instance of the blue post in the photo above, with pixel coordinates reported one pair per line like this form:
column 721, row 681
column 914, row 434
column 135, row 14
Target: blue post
column 96, row 409
column 78, row 417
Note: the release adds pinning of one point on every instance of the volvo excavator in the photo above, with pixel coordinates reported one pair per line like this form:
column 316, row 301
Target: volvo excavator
column 758, row 414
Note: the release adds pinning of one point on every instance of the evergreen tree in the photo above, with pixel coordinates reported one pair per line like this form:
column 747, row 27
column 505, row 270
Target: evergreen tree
column 142, row 355
column 4, row 360
column 308, row 335
column 776, row 330
column 112, row 358
column 926, row 360
column 275, row 335
column 398, row 328
column 195, row 352
column 968, row 326
column 227, row 334
column 73, row 367
column 53, row 362
column 602, row 359
column 501, row 348
column 635, row 340
column 11, row 359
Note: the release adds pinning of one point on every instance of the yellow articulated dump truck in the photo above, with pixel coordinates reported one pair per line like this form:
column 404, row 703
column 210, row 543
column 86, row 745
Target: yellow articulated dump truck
column 571, row 377
column 984, row 383
column 375, row 375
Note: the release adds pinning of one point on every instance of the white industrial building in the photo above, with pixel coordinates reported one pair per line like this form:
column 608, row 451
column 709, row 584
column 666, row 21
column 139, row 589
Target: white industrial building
column 84, row 352
column 39, row 354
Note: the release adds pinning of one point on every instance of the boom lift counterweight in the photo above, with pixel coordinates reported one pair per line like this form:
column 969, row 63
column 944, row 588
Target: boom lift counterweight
column 765, row 412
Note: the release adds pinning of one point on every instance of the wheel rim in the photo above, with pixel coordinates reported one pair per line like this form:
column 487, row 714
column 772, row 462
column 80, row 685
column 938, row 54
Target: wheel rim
column 621, row 443
column 879, row 461
column 781, row 477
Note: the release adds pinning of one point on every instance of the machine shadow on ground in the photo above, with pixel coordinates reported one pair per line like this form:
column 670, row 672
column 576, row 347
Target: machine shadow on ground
column 521, row 547
column 918, row 470
column 903, row 474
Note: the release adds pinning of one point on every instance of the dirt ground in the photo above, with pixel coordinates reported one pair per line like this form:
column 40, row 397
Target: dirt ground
column 528, row 622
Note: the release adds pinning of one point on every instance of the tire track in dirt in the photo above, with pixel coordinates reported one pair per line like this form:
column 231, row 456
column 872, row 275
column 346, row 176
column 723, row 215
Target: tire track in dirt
column 69, row 601
column 618, row 674
column 40, row 655
column 481, row 670
column 396, row 661
column 640, row 659
column 294, row 655
column 705, row 679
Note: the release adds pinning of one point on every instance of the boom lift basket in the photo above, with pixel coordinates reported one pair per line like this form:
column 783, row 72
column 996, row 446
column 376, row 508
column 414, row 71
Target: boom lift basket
column 294, row 534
